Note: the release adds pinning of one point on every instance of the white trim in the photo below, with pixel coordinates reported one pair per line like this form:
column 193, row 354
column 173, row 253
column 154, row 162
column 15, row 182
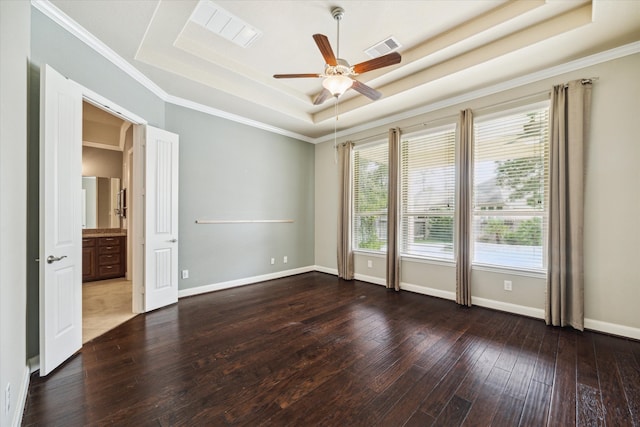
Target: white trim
column 60, row 18
column 21, row 398
column 327, row 270
column 55, row 14
column 510, row 271
column 425, row 290
column 537, row 313
column 369, row 253
column 612, row 328
column 33, row 364
column 110, row 107
column 370, row 279
column 182, row 102
column 100, row 145
column 241, row 282
column 598, row 58
column 423, row 260
column 64, row 21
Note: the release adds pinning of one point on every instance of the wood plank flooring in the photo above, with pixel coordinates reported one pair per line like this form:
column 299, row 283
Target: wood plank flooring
column 314, row 350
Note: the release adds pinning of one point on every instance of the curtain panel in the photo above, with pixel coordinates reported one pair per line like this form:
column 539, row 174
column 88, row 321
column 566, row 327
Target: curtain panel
column 464, row 208
column 345, row 249
column 393, row 212
column 570, row 123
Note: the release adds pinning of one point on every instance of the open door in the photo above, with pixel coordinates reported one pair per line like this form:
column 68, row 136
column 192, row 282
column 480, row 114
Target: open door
column 160, row 218
column 60, row 219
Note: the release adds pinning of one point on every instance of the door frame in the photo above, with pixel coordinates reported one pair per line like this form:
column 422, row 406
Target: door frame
column 135, row 222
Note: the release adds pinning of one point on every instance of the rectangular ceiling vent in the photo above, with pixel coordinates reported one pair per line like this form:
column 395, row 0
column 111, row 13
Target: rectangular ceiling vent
column 388, row 45
column 223, row 23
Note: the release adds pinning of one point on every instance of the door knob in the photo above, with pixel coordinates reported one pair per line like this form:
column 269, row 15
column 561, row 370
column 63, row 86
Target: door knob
column 172, row 240
column 51, row 259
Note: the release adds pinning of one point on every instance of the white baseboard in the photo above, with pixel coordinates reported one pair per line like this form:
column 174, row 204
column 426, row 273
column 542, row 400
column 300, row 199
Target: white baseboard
column 612, row 328
column 536, row 313
column 424, row 290
column 21, row 398
column 370, row 279
column 33, row 364
column 327, row 270
column 242, row 282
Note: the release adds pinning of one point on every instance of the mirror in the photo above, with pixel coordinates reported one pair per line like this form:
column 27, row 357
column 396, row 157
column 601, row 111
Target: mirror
column 102, row 202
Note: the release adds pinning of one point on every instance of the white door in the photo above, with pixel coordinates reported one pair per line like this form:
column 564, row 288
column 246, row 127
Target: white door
column 161, row 218
column 60, row 219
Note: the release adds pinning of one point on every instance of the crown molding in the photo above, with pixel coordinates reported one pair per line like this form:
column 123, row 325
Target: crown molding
column 587, row 61
column 64, row 21
column 182, row 102
column 59, row 17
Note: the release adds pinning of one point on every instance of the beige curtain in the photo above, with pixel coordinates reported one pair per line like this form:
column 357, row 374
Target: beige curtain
column 345, row 251
column 464, row 207
column 570, row 122
column 393, row 212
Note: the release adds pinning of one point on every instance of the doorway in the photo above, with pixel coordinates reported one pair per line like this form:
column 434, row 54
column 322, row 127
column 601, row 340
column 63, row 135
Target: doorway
column 107, row 291
column 152, row 224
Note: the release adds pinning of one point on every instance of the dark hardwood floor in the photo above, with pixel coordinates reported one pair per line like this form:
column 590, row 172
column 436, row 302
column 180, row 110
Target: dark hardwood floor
column 313, row 350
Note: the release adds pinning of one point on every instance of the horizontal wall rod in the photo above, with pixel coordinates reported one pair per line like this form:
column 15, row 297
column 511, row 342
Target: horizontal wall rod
column 241, row 221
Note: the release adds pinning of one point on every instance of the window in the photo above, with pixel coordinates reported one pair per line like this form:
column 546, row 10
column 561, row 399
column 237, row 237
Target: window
column 370, row 194
column 428, row 193
column 510, row 188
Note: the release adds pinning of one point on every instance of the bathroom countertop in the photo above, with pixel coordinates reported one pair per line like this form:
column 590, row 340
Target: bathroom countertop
column 104, row 232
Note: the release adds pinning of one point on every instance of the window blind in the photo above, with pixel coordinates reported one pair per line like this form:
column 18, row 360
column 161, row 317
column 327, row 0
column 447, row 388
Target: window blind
column 511, row 156
column 428, row 193
column 370, row 195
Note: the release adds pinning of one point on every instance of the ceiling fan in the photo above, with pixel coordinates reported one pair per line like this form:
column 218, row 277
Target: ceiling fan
column 338, row 74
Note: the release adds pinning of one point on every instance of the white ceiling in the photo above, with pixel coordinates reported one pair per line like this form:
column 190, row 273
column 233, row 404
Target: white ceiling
column 448, row 48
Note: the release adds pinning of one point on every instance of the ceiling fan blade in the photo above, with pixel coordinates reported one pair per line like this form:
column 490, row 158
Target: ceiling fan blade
column 325, row 48
column 375, row 63
column 367, row 91
column 322, row 96
column 295, row 76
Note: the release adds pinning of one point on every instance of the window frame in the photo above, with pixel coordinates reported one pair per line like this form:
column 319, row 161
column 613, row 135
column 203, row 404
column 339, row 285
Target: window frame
column 528, row 213
column 354, row 212
column 443, row 127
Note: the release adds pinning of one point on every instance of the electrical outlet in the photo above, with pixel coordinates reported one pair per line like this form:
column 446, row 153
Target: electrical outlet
column 273, row 261
column 285, row 259
column 7, row 399
column 185, row 274
column 369, row 263
column 508, row 285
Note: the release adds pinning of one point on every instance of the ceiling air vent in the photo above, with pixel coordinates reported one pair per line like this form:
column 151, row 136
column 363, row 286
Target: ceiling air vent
column 224, row 23
column 385, row 46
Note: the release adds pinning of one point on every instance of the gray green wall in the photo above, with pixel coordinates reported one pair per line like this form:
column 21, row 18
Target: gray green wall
column 232, row 171
column 227, row 170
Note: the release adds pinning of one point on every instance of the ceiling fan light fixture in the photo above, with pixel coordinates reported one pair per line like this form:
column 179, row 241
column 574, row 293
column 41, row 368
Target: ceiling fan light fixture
column 337, row 84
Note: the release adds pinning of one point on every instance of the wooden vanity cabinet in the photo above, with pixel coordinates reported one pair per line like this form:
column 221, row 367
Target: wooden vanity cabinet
column 103, row 257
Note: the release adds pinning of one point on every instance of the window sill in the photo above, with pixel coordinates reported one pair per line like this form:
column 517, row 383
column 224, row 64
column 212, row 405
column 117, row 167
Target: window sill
column 363, row 252
column 536, row 274
column 432, row 261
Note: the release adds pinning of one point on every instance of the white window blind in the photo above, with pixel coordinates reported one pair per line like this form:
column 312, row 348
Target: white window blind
column 428, row 193
column 510, row 188
column 370, row 195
